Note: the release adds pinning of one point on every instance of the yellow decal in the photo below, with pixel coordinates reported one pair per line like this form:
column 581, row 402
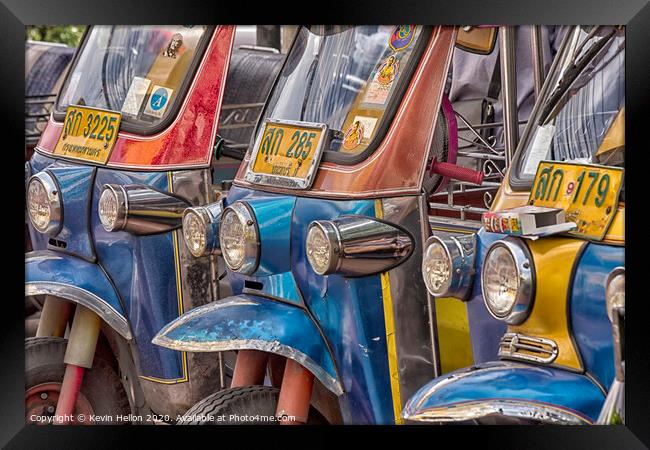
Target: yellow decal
column 88, row 134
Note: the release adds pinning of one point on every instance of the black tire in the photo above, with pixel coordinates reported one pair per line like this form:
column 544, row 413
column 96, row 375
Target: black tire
column 101, row 385
column 256, row 401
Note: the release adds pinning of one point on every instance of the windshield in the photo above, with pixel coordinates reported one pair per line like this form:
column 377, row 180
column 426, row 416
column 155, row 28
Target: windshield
column 345, row 77
column 582, row 116
column 138, row 71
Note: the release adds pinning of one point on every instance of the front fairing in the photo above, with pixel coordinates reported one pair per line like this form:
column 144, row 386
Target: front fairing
column 349, row 311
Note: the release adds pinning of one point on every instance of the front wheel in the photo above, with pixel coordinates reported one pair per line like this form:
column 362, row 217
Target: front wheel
column 102, row 394
column 248, row 405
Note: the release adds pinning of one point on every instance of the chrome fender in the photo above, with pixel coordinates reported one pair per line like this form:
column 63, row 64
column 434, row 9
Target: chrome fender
column 246, row 322
column 507, row 389
column 77, row 280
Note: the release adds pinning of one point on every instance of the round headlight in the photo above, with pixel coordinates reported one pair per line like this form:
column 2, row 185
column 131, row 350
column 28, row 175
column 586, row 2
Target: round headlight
column 615, row 290
column 112, row 208
column 321, row 247
column 507, row 281
column 239, row 239
column 436, row 269
column 195, row 232
column 44, row 204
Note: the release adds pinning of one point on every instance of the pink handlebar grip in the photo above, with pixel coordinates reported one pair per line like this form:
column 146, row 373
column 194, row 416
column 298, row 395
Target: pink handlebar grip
column 457, row 173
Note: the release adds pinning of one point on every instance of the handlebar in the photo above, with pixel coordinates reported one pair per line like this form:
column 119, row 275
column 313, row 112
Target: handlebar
column 457, row 173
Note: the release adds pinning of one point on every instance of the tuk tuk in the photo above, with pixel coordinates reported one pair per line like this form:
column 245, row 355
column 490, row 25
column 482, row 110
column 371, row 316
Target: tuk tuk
column 323, row 232
column 548, row 260
column 127, row 149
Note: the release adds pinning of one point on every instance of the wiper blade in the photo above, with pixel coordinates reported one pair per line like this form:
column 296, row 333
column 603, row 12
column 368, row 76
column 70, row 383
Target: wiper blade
column 570, row 75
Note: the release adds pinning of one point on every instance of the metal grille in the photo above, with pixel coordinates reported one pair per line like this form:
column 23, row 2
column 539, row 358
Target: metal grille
column 467, row 201
column 527, row 348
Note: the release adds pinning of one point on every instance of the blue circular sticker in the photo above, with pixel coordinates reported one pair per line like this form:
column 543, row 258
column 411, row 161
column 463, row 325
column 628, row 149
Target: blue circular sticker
column 158, row 99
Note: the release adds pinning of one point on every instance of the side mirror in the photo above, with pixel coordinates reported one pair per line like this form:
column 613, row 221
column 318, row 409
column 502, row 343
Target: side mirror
column 479, row 40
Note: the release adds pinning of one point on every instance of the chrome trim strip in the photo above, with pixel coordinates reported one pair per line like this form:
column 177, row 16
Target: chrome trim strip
column 517, row 409
column 511, row 343
column 83, row 297
column 254, row 344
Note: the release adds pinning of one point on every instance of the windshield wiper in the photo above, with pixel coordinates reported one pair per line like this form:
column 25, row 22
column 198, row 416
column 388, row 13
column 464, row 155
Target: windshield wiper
column 570, row 75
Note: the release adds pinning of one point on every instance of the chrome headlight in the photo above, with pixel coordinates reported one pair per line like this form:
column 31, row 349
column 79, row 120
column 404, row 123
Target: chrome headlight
column 356, row 246
column 239, row 238
column 112, row 208
column 200, row 229
column 507, row 281
column 448, row 265
column 322, row 247
column 44, row 204
column 615, row 290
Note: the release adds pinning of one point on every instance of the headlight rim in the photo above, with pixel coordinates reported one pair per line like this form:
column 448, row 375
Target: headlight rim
column 525, row 296
column 206, row 221
column 450, row 260
column 53, row 192
column 620, row 270
column 460, row 249
column 252, row 250
column 331, row 232
column 122, row 207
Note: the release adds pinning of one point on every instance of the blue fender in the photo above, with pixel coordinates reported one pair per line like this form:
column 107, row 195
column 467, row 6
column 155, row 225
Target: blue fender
column 246, row 322
column 508, row 389
column 77, row 280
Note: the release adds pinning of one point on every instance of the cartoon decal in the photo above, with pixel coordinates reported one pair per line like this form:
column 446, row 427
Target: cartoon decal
column 388, row 71
column 171, row 51
column 381, row 82
column 401, row 37
column 158, row 101
column 353, row 136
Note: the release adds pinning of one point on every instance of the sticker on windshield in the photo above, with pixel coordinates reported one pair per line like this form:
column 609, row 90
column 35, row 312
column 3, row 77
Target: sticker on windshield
column 354, row 135
column 540, row 148
column 174, row 46
column 382, row 78
column 367, row 125
column 401, row 37
column 158, row 101
column 135, row 96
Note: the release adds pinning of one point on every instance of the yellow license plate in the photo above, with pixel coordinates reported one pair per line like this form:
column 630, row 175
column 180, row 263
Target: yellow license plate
column 588, row 194
column 88, row 134
column 287, row 153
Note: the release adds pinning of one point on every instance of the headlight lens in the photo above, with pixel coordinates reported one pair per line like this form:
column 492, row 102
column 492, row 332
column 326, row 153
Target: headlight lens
column 319, row 249
column 436, row 269
column 239, row 239
column 507, row 281
column 194, row 232
column 615, row 291
column 44, row 204
column 112, row 208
